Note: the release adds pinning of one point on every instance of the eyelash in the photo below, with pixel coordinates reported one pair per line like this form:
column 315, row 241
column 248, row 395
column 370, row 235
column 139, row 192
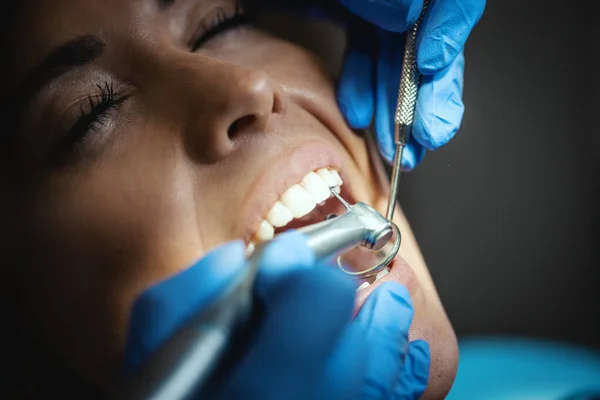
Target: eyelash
column 99, row 105
column 108, row 99
column 221, row 22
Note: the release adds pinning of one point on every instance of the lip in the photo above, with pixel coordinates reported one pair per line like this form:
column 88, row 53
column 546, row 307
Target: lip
column 287, row 170
column 400, row 272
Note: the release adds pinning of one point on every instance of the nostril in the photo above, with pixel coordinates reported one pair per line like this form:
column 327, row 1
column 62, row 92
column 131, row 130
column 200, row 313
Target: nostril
column 240, row 124
column 232, row 129
column 278, row 104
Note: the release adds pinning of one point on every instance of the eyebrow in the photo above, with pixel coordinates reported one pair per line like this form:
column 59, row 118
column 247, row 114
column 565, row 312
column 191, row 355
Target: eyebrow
column 71, row 55
column 74, row 54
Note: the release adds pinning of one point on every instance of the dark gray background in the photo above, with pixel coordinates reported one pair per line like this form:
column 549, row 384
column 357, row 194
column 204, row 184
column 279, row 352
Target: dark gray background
column 506, row 214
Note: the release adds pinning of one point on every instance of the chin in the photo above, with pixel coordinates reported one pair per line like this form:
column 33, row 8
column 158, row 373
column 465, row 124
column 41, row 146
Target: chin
column 295, row 192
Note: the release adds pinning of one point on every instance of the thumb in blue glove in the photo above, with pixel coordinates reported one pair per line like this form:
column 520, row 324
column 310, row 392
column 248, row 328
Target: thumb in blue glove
column 307, row 310
column 394, row 368
column 306, row 346
column 160, row 310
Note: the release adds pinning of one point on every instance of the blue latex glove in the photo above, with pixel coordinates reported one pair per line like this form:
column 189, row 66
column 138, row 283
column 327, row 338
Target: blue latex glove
column 370, row 78
column 306, row 346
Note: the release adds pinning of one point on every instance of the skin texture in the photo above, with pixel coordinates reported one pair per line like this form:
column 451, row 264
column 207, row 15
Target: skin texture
column 158, row 183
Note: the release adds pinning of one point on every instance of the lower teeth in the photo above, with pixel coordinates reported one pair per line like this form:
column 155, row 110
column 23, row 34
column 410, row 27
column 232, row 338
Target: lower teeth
column 379, row 276
column 249, row 249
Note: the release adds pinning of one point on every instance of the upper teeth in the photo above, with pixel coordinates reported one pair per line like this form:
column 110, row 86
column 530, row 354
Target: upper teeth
column 298, row 201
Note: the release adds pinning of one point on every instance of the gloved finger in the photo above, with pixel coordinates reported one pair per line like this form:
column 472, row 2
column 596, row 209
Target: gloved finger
column 161, row 310
column 355, row 86
column 298, row 335
column 444, row 31
column 440, row 107
column 389, row 67
column 344, row 371
column 385, row 319
column 286, row 254
column 391, row 15
column 412, row 155
column 415, row 374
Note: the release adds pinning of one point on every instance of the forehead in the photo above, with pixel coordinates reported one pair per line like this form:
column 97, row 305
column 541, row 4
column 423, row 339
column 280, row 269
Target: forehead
column 41, row 25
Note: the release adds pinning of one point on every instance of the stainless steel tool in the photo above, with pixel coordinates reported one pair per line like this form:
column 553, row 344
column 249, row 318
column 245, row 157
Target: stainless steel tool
column 410, row 80
column 184, row 365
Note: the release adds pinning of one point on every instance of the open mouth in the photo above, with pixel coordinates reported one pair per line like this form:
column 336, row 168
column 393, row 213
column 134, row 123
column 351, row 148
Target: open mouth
column 295, row 192
column 308, row 202
column 304, row 203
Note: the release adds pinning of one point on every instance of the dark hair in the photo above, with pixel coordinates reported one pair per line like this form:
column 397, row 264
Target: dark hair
column 26, row 371
column 9, row 18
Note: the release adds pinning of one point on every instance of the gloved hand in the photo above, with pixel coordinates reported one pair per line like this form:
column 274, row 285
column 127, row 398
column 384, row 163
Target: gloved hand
column 370, row 78
column 306, row 346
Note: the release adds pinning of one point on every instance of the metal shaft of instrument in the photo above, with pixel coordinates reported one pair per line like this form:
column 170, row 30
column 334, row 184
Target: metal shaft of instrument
column 347, row 205
column 184, row 365
column 410, row 80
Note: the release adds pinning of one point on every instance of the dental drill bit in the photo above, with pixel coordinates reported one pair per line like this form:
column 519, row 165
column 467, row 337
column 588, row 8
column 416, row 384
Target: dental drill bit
column 346, row 205
column 410, row 80
column 183, row 367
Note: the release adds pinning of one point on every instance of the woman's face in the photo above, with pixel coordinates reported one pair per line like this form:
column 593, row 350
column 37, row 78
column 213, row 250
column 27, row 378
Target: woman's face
column 151, row 131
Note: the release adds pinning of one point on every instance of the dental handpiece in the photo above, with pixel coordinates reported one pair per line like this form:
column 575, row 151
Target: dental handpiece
column 410, row 80
column 182, row 368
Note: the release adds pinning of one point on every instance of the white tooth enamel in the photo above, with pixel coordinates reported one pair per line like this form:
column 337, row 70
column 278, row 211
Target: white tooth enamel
column 298, row 201
column 316, row 186
column 380, row 275
column 337, row 177
column 363, row 286
column 249, row 249
column 279, row 215
column 326, row 175
column 265, row 232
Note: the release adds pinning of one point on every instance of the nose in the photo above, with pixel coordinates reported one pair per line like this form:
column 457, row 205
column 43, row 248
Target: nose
column 225, row 105
column 253, row 100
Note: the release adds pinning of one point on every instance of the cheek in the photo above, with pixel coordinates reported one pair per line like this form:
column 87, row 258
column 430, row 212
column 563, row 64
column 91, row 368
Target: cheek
column 300, row 72
column 96, row 240
column 305, row 79
column 290, row 65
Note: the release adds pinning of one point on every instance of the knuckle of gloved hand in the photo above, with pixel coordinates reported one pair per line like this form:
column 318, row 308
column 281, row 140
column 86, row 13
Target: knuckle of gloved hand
column 399, row 294
column 340, row 285
column 290, row 249
column 281, row 264
column 326, row 288
column 437, row 51
column 439, row 129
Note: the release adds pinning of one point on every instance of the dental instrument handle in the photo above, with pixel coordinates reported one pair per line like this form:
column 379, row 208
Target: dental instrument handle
column 410, row 80
column 182, row 368
column 361, row 225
